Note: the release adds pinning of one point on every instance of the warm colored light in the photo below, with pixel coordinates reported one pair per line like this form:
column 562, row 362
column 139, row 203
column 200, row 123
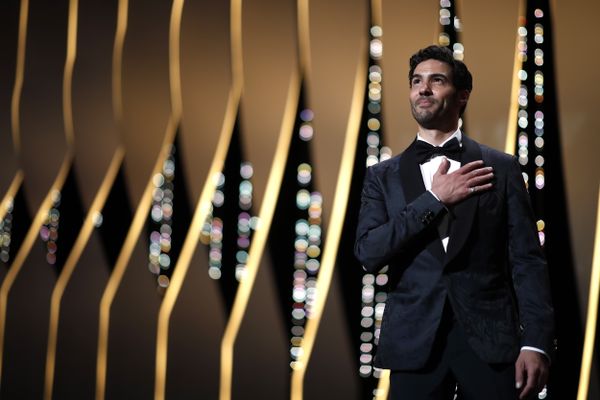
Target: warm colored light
column 307, row 245
column 161, row 213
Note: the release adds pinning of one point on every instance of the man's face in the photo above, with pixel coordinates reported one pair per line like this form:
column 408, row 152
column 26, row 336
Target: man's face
column 435, row 102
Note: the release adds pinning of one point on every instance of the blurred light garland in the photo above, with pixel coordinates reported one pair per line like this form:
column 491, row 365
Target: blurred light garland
column 307, row 244
column 49, row 229
column 212, row 230
column 161, row 213
column 5, row 231
column 530, row 146
column 374, row 286
column 531, row 106
column 246, row 222
column 451, row 26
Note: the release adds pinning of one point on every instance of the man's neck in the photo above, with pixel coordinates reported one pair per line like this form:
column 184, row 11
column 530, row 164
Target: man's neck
column 435, row 136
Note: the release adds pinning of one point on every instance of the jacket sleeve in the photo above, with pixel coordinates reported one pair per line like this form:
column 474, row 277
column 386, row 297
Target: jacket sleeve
column 528, row 266
column 382, row 234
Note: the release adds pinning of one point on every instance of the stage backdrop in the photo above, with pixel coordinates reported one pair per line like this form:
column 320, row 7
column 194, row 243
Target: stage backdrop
column 179, row 181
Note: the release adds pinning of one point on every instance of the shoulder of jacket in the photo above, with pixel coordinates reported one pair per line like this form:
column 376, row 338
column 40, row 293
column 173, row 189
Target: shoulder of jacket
column 386, row 166
column 495, row 155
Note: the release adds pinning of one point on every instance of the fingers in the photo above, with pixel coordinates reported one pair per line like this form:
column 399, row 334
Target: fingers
column 524, row 382
column 519, row 374
column 531, row 374
column 470, row 167
column 475, row 172
column 542, row 378
column 451, row 188
column 531, row 386
column 444, row 167
column 481, row 180
column 478, row 178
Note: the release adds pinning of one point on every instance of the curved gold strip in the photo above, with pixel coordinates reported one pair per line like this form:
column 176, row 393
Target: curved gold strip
column 376, row 13
column 68, row 121
column 120, row 267
column 174, row 59
column 117, row 98
column 17, row 89
column 142, row 210
column 68, row 74
column 11, row 193
column 67, row 161
column 204, row 204
column 71, row 263
column 304, row 41
column 16, row 104
column 384, row 385
column 189, row 244
column 237, row 63
column 259, row 240
column 336, row 224
column 117, row 64
column 28, row 242
column 267, row 209
column 592, row 315
column 511, row 130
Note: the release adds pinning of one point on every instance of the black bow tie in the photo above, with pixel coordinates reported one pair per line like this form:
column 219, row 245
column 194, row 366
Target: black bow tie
column 426, row 152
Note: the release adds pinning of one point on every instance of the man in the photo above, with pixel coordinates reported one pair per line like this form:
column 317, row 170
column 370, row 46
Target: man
column 469, row 304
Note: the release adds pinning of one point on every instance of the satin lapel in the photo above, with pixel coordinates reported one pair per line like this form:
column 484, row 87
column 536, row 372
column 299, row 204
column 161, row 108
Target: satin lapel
column 412, row 187
column 464, row 212
column 410, row 173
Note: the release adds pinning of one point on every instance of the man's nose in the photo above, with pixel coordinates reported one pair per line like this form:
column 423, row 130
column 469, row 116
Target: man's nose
column 425, row 89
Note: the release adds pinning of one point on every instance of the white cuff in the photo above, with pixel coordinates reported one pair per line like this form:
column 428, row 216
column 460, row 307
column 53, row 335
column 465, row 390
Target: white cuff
column 531, row 348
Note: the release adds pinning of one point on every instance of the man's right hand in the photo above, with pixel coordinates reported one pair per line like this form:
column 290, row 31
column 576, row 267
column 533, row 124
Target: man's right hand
column 451, row 188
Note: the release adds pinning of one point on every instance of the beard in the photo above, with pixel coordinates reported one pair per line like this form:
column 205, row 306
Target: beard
column 428, row 116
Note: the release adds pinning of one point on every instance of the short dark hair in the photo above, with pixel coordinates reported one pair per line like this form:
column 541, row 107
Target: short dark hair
column 461, row 77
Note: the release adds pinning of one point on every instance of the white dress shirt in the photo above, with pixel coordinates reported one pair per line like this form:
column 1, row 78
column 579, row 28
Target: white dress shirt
column 429, row 168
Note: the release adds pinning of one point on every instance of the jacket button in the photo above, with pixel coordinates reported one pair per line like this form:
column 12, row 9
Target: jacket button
column 427, row 217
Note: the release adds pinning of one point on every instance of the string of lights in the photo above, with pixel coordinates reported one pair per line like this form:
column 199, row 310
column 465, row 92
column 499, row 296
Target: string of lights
column 451, row 26
column 212, row 230
column 538, row 150
column 49, row 229
column 530, row 117
column 161, row 215
column 531, row 113
column 229, row 225
column 246, row 222
column 531, row 110
column 5, row 231
column 449, row 35
column 374, row 286
column 14, row 224
column 307, row 244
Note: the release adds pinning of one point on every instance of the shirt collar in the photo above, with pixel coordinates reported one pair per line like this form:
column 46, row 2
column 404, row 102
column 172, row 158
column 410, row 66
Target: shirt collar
column 457, row 134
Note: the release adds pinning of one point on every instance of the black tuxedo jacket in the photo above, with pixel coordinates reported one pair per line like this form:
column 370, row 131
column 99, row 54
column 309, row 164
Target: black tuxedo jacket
column 494, row 273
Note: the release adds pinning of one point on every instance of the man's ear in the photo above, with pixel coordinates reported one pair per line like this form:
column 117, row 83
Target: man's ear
column 463, row 97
